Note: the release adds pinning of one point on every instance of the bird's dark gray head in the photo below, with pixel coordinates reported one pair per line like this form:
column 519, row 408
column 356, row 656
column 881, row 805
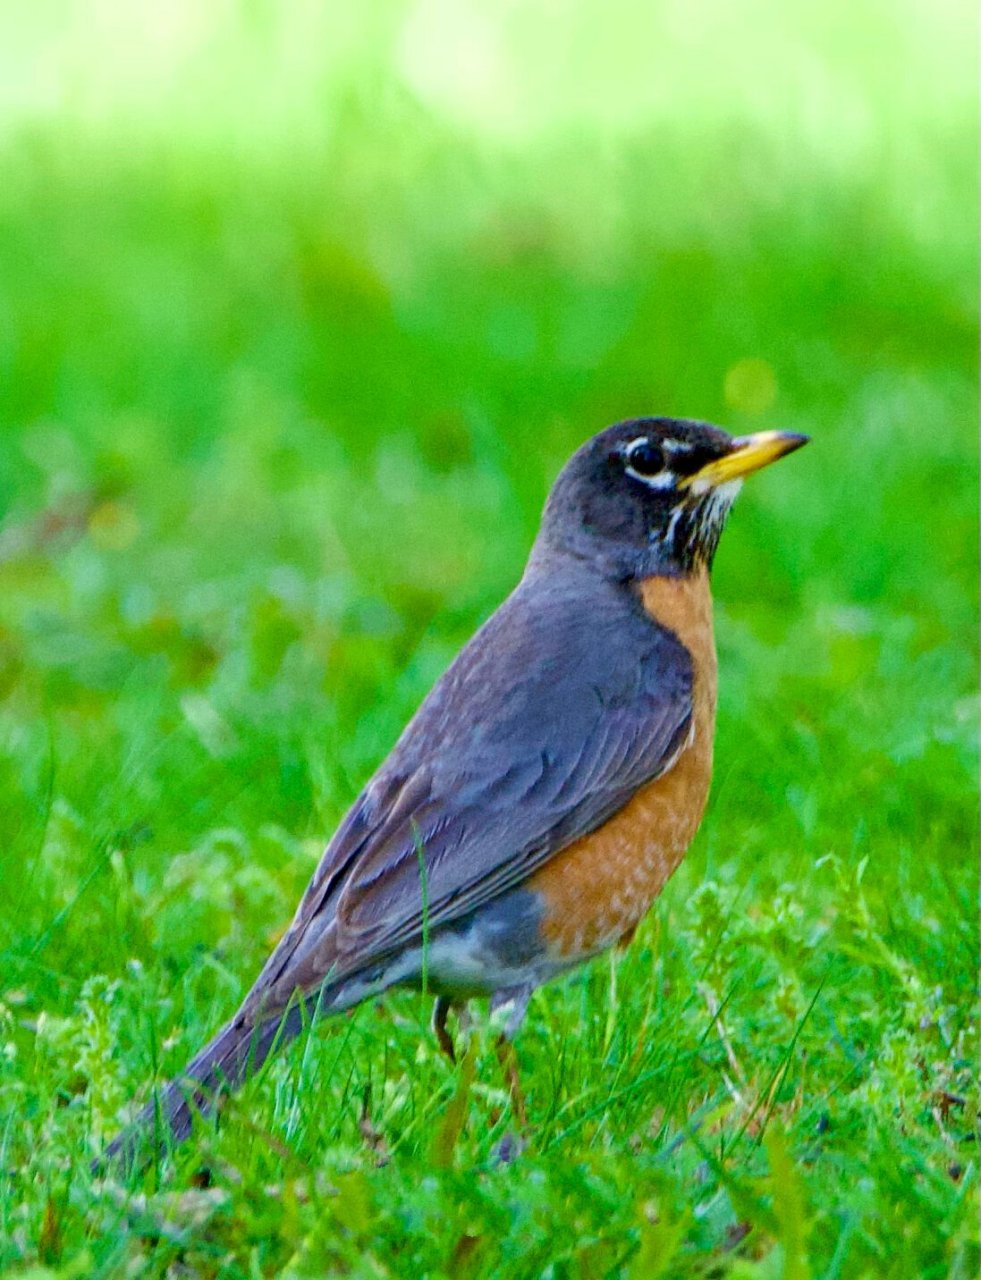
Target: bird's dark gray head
column 651, row 495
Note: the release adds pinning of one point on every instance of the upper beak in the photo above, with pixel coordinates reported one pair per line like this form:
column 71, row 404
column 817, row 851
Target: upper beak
column 748, row 453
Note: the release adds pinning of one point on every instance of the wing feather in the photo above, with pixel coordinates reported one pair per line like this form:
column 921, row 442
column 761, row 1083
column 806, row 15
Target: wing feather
column 544, row 726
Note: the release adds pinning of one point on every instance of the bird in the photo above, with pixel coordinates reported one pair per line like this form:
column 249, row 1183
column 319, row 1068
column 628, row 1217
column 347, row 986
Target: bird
column 547, row 787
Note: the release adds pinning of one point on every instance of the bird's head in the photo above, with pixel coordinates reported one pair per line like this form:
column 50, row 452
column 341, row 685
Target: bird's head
column 651, row 495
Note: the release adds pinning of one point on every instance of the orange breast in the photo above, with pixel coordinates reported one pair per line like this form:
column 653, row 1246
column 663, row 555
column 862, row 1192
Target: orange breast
column 597, row 889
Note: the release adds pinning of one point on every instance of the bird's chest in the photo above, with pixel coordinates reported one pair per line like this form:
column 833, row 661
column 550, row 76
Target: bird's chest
column 595, row 891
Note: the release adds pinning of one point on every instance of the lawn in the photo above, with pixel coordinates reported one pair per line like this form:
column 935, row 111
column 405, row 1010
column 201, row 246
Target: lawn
column 299, row 316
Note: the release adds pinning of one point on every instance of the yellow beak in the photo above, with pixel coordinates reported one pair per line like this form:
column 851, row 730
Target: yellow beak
column 748, row 454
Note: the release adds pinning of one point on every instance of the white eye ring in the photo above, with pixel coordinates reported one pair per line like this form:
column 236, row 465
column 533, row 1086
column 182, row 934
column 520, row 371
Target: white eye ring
column 662, row 478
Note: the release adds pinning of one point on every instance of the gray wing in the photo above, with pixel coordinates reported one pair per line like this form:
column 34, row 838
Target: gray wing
column 545, row 725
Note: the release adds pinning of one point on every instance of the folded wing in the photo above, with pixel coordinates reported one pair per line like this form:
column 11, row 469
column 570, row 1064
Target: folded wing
column 544, row 726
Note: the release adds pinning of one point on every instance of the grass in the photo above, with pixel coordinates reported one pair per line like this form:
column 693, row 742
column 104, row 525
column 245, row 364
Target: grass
column 285, row 377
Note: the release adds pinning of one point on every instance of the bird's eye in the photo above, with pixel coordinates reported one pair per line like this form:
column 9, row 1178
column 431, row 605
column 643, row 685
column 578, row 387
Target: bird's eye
column 645, row 458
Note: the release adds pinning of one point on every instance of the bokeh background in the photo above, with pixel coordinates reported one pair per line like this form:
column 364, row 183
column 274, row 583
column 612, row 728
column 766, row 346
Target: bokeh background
column 301, row 308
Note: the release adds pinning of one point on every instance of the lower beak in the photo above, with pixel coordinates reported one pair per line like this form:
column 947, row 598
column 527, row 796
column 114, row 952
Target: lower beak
column 748, row 454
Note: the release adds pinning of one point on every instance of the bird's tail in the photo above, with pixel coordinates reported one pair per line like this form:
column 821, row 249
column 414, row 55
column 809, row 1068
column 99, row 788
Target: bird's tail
column 227, row 1061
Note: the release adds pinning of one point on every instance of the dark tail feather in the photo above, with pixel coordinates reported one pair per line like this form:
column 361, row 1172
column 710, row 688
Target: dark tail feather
column 226, row 1062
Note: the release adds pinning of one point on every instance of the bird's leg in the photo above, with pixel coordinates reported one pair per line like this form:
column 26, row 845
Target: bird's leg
column 443, row 1038
column 508, row 1059
column 504, row 1047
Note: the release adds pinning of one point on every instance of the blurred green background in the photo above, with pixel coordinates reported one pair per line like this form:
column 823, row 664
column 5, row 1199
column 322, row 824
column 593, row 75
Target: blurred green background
column 301, row 309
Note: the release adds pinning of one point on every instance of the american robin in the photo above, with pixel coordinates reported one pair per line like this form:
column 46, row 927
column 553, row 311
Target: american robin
column 547, row 787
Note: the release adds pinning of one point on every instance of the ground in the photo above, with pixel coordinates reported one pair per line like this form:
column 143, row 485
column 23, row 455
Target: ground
column 277, row 423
